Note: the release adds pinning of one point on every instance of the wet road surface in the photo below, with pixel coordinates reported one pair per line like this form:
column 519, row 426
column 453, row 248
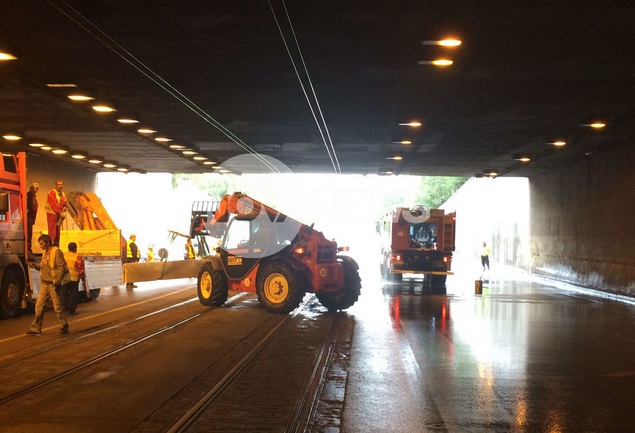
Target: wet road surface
column 526, row 355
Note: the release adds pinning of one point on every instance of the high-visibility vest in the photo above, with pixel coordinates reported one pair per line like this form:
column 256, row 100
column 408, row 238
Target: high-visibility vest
column 71, row 258
column 129, row 251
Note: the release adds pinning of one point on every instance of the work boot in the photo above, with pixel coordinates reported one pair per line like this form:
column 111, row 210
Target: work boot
column 32, row 332
column 64, row 330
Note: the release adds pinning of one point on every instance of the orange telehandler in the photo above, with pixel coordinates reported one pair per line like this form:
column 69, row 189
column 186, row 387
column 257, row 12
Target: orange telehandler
column 280, row 259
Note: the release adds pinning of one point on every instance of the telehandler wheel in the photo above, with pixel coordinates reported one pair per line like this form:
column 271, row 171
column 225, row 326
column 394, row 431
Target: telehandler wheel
column 211, row 286
column 10, row 295
column 277, row 288
column 349, row 295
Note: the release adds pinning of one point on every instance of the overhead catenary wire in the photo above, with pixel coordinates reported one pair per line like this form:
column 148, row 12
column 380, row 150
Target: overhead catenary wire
column 321, row 122
column 129, row 58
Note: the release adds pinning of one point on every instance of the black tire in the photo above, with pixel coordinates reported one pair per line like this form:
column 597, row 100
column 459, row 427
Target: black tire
column 350, row 293
column 211, row 286
column 277, row 288
column 10, row 295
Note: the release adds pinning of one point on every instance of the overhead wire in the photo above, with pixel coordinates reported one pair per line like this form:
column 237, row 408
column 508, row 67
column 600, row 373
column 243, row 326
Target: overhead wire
column 321, row 123
column 145, row 70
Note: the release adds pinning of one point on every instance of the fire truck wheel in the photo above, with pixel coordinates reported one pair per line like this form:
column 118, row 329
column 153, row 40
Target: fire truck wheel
column 277, row 288
column 211, row 286
column 349, row 295
column 10, row 295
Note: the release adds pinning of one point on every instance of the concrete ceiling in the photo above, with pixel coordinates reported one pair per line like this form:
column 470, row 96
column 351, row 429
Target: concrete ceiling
column 226, row 79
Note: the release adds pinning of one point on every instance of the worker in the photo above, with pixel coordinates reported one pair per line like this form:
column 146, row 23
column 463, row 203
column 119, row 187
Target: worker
column 485, row 253
column 189, row 249
column 55, row 211
column 31, row 213
column 132, row 255
column 53, row 274
column 77, row 270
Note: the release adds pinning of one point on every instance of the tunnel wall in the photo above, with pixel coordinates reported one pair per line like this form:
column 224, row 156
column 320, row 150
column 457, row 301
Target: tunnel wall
column 583, row 222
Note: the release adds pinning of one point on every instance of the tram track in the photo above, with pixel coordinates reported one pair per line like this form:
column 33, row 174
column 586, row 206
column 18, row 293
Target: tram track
column 302, row 413
column 102, row 356
column 256, row 345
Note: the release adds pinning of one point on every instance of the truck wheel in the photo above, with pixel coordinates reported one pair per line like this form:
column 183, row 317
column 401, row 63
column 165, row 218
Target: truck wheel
column 11, row 295
column 277, row 288
column 211, row 286
column 349, row 294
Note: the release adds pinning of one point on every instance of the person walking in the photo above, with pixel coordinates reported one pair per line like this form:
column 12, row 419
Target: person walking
column 31, row 213
column 189, row 250
column 132, row 255
column 55, row 211
column 77, row 271
column 485, row 253
column 53, row 273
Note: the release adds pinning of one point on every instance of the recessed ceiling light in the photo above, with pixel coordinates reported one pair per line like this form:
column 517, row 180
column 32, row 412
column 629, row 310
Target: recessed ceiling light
column 402, row 142
column 557, row 143
column 189, row 152
column 596, row 125
column 60, row 150
column 146, row 131
column 199, row 158
column 79, row 155
column 37, row 144
column 13, row 136
column 46, row 147
column 123, row 168
column 110, row 164
column 127, row 120
column 208, row 162
column 95, row 160
column 7, row 56
column 522, row 157
column 79, row 97
column 450, row 43
column 436, row 62
column 176, row 146
column 411, row 124
column 395, row 158
column 103, row 108
column 162, row 139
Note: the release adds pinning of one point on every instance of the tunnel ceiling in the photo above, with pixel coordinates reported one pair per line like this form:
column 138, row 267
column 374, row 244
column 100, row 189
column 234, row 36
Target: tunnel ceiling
column 321, row 86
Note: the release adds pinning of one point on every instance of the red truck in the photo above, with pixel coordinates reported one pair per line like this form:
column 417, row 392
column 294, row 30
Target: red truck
column 417, row 241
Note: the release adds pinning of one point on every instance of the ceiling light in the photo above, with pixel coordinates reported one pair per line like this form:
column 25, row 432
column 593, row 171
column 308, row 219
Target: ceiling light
column 95, row 160
column 411, row 124
column 522, row 157
column 189, row 152
column 595, row 125
column 146, row 131
column 449, row 43
column 176, row 146
column 436, row 62
column 79, row 97
column 13, row 136
column 123, row 168
column 491, row 172
column 162, row 139
column 127, row 120
column 4, row 55
column 199, row 158
column 60, row 150
column 395, row 158
column 79, row 155
column 402, row 142
column 37, row 144
column 557, row 143
column 110, row 164
column 103, row 108
column 46, row 147
column 208, row 162
column 386, row 173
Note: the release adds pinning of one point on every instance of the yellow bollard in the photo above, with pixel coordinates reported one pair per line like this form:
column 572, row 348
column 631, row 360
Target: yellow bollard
column 150, row 254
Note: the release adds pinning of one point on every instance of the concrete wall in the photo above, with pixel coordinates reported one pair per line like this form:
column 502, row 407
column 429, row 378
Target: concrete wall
column 46, row 172
column 583, row 224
